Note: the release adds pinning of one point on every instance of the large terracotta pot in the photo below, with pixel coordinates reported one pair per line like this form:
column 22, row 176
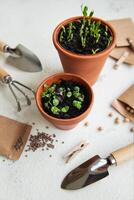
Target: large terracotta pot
column 88, row 66
column 64, row 124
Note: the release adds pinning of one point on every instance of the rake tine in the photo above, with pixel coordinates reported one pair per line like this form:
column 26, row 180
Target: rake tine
column 27, row 98
column 25, row 86
column 17, row 101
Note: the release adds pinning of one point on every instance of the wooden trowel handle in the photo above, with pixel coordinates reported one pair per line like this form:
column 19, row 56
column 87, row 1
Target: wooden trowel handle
column 123, row 154
column 2, row 46
column 3, row 73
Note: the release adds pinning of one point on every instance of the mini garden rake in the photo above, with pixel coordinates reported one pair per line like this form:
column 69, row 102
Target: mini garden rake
column 7, row 79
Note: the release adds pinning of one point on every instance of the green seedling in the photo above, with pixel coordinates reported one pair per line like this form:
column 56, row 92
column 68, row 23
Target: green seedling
column 55, row 110
column 69, row 94
column 76, row 94
column 94, row 51
column 61, row 34
column 81, row 98
column 77, row 104
column 109, row 40
column 77, row 88
column 46, row 86
column 84, row 10
column 55, row 102
column 65, row 109
column 70, row 32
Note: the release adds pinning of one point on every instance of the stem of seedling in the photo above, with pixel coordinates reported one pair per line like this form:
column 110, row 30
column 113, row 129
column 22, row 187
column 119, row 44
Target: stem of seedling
column 94, row 51
column 61, row 34
column 70, row 32
column 109, row 40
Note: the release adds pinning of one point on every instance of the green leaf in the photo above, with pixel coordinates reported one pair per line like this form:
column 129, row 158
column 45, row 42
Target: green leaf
column 81, row 98
column 77, row 88
column 61, row 36
column 43, row 94
column 63, row 28
column 70, row 32
column 65, row 109
column 61, row 89
column 51, row 89
column 84, row 11
column 109, row 40
column 95, row 51
column 46, row 86
column 69, row 94
column 91, row 13
column 77, row 104
column 55, row 110
column 76, row 94
column 55, row 102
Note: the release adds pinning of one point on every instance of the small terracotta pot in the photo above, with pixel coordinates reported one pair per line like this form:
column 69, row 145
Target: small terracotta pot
column 88, row 66
column 64, row 124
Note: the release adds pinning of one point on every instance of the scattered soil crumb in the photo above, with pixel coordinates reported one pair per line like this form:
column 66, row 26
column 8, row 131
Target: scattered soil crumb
column 86, row 124
column 25, row 155
column 50, row 156
column 62, row 142
column 50, row 146
column 47, row 127
column 132, row 129
column 99, row 128
column 33, row 123
column 115, row 66
column 110, row 114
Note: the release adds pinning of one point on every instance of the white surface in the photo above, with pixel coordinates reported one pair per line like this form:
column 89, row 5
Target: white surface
column 38, row 177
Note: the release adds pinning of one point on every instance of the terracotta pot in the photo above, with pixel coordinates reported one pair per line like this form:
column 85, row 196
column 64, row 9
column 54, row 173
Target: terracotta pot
column 88, row 66
column 64, row 124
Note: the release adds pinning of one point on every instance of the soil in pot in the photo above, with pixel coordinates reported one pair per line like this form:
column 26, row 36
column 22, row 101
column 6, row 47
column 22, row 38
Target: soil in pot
column 85, row 36
column 65, row 99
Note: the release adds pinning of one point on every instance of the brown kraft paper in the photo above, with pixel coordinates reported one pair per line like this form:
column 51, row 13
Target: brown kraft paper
column 124, row 29
column 126, row 99
column 13, row 137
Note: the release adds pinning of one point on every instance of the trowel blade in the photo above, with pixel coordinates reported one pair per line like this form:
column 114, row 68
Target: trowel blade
column 24, row 59
column 87, row 173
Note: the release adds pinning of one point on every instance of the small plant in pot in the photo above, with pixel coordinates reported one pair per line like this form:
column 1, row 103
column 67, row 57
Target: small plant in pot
column 83, row 44
column 64, row 99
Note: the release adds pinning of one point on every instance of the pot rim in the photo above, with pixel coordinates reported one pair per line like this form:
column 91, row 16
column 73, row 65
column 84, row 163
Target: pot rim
column 79, row 117
column 80, row 56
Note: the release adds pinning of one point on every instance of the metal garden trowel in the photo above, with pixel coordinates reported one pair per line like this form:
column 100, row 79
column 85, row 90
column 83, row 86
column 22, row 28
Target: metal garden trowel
column 21, row 57
column 96, row 168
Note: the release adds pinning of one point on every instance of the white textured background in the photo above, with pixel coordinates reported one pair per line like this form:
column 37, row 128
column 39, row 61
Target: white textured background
column 38, row 177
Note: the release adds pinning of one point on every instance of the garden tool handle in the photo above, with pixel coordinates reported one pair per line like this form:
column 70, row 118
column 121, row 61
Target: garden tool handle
column 3, row 47
column 3, row 73
column 123, row 154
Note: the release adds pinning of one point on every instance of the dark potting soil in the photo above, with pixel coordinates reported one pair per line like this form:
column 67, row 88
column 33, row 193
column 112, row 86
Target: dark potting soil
column 65, row 101
column 75, row 45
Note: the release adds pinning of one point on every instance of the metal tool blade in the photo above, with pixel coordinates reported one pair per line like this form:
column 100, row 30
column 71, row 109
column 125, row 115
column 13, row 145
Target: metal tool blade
column 24, row 59
column 87, row 173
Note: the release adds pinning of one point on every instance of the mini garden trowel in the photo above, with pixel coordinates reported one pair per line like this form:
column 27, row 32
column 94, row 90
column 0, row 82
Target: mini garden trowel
column 96, row 168
column 21, row 57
